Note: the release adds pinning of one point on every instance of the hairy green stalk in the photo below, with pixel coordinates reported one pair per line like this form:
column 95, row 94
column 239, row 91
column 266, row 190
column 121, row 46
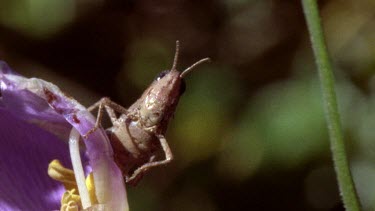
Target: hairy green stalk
column 345, row 181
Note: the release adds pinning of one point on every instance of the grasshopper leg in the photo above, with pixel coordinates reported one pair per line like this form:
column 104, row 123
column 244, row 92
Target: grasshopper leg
column 168, row 158
column 110, row 107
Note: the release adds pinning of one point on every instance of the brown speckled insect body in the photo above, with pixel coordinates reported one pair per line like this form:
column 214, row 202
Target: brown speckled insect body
column 137, row 135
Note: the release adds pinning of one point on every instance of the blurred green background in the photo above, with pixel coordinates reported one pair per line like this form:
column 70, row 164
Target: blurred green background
column 249, row 133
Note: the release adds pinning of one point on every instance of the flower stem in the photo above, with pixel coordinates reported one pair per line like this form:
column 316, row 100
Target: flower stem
column 78, row 169
column 345, row 181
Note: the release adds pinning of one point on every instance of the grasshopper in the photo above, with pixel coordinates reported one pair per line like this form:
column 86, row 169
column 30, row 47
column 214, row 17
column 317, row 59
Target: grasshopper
column 137, row 136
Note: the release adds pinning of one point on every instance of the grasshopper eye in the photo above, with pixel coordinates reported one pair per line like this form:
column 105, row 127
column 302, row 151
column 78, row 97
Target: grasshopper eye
column 161, row 75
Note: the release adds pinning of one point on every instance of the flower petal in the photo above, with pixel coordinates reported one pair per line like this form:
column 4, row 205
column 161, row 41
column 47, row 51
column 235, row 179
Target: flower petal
column 44, row 104
column 25, row 151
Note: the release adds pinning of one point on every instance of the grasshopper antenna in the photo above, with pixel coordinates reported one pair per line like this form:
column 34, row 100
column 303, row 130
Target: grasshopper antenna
column 176, row 55
column 187, row 70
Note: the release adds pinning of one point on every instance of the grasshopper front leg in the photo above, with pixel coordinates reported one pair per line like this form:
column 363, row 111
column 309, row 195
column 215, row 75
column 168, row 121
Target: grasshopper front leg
column 110, row 107
column 168, row 158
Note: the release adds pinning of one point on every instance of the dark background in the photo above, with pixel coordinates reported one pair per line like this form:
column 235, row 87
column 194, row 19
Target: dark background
column 249, row 133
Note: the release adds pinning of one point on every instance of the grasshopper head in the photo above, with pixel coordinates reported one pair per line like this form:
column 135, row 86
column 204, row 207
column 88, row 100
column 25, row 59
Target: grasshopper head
column 158, row 103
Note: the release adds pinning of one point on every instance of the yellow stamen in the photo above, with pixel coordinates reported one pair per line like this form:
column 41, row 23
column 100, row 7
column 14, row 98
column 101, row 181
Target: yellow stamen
column 70, row 201
column 91, row 188
column 66, row 176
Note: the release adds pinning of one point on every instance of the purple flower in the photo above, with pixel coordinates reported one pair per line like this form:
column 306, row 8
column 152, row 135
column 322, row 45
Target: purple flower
column 36, row 121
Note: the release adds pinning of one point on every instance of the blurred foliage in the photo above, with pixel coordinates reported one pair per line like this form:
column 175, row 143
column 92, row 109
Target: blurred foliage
column 38, row 18
column 249, row 133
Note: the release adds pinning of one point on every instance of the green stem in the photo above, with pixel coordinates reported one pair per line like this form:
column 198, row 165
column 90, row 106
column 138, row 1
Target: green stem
column 345, row 181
